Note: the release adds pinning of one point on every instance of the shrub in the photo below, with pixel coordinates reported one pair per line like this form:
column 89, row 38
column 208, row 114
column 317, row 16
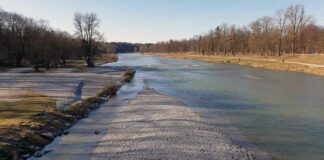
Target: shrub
column 80, row 109
column 95, row 100
column 128, row 75
column 109, row 90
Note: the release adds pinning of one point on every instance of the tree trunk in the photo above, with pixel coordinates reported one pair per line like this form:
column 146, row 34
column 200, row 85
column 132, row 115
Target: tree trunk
column 18, row 61
column 280, row 47
column 64, row 61
column 36, row 68
column 293, row 47
column 89, row 61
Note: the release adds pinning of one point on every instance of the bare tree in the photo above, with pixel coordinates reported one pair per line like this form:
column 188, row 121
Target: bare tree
column 261, row 30
column 17, row 27
column 297, row 17
column 281, row 20
column 3, row 16
column 224, row 28
column 25, row 41
column 87, row 26
column 289, row 30
column 257, row 37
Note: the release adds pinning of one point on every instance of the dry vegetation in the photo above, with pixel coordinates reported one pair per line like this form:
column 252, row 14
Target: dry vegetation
column 105, row 58
column 75, row 64
column 19, row 111
column 312, row 58
column 28, row 124
column 110, row 89
column 262, row 62
column 100, row 59
column 129, row 75
column 80, row 66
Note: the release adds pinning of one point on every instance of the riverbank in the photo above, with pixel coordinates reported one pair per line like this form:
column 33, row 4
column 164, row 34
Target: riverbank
column 310, row 64
column 37, row 107
column 150, row 126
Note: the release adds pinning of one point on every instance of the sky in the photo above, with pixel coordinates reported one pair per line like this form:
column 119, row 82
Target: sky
column 149, row 21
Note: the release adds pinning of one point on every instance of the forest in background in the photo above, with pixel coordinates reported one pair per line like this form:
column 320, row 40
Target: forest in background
column 288, row 31
column 122, row 47
column 26, row 41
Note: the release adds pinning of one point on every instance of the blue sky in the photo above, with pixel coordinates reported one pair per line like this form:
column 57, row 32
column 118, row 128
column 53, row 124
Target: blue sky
column 157, row 20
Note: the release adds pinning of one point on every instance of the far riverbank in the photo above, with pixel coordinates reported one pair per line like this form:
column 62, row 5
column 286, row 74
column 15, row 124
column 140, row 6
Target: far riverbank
column 310, row 64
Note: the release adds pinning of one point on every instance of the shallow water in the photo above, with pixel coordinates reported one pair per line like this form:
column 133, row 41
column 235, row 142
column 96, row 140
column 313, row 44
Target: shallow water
column 278, row 112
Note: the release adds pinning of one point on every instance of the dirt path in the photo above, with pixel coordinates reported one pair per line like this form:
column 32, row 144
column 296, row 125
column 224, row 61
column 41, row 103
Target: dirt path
column 154, row 126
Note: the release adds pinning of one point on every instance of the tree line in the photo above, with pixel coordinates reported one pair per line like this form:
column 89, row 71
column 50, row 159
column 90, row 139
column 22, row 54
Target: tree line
column 122, row 47
column 27, row 41
column 288, row 31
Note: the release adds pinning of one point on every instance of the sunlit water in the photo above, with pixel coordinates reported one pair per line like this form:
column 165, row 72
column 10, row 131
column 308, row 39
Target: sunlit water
column 281, row 113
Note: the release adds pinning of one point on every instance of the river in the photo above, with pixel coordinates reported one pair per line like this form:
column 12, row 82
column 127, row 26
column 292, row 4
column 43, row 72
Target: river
column 276, row 114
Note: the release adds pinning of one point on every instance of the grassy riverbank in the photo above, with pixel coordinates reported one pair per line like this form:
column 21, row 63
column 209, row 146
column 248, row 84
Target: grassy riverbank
column 285, row 63
column 99, row 60
column 81, row 66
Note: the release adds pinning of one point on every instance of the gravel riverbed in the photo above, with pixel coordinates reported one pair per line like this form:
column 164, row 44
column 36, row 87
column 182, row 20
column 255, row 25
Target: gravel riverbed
column 154, row 126
column 151, row 126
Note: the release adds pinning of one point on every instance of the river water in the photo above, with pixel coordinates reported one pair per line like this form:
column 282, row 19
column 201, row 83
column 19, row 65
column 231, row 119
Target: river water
column 277, row 114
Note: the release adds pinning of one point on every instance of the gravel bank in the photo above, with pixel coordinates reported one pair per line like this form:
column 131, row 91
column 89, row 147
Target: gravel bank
column 154, row 126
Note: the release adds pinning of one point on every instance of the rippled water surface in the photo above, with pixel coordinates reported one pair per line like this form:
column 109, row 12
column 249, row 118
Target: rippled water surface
column 281, row 113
